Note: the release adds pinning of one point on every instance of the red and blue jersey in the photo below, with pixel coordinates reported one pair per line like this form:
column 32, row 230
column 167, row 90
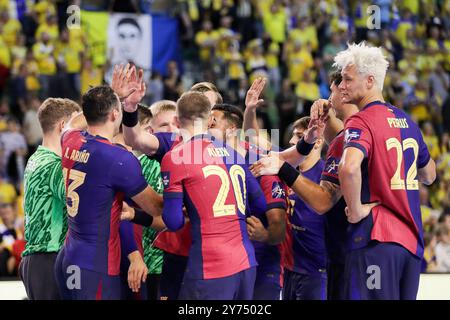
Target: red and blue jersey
column 269, row 257
column 98, row 176
column 178, row 242
column 336, row 223
column 212, row 180
column 394, row 150
column 305, row 250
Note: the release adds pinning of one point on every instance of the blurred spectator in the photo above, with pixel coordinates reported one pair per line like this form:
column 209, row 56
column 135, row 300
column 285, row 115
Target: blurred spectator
column 91, row 76
column 206, row 39
column 14, row 149
column 155, row 88
column 11, row 229
column 286, row 102
column 443, row 249
column 275, row 20
column 43, row 52
column 8, row 193
column 429, row 255
column 431, row 140
column 31, row 127
column 173, row 87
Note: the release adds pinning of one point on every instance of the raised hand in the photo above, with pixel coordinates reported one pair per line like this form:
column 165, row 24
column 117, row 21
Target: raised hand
column 136, row 82
column 120, row 81
column 252, row 99
column 319, row 109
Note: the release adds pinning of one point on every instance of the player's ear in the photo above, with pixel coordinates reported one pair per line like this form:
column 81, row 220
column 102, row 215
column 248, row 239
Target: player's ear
column 61, row 126
column 177, row 121
column 370, row 82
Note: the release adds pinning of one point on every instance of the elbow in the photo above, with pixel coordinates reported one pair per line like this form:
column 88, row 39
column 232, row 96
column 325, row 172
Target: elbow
column 348, row 170
column 173, row 224
column 427, row 175
column 322, row 208
column 428, row 178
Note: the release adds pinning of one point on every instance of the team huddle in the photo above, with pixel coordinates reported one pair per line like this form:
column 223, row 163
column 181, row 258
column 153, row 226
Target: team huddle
column 193, row 187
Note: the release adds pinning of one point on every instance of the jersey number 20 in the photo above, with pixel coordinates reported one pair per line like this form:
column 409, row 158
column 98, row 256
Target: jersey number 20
column 77, row 178
column 397, row 183
column 221, row 209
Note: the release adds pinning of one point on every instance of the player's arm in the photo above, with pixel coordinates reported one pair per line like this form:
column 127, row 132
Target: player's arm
column 139, row 217
column 426, row 165
column 321, row 198
column 126, row 176
column 173, row 176
column 250, row 124
column 275, row 232
column 350, row 180
column 149, row 201
column 256, row 200
column 427, row 174
column 137, row 272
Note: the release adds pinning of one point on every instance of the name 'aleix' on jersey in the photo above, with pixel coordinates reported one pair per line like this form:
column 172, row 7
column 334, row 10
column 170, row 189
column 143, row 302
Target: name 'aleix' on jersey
column 76, row 155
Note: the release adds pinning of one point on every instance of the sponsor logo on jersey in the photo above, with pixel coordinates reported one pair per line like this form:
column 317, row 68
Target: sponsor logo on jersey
column 332, row 165
column 165, row 178
column 277, row 191
column 352, row 134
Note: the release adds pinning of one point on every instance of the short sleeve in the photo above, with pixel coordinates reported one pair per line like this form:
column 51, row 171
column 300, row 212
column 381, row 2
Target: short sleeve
column 330, row 172
column 172, row 176
column 273, row 190
column 358, row 135
column 57, row 185
column 166, row 141
column 126, row 175
column 424, row 154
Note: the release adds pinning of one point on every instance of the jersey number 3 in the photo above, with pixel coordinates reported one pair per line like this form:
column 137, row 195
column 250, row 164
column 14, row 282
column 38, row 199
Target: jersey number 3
column 77, row 178
column 221, row 209
column 397, row 183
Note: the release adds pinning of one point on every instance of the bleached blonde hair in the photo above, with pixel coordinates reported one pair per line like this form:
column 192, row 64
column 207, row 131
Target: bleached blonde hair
column 162, row 106
column 369, row 61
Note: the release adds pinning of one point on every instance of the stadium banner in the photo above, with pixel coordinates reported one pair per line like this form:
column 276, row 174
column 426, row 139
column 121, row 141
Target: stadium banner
column 130, row 39
column 148, row 41
column 95, row 25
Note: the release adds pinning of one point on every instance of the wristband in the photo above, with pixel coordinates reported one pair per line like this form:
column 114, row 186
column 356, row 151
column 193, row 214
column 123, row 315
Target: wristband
column 288, row 174
column 303, row 147
column 130, row 119
column 142, row 218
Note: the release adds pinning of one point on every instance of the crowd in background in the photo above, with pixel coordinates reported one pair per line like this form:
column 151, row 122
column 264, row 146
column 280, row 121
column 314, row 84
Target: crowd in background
column 230, row 43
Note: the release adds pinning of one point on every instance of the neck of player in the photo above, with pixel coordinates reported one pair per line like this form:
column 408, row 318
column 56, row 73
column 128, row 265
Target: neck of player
column 370, row 97
column 190, row 130
column 104, row 131
column 52, row 141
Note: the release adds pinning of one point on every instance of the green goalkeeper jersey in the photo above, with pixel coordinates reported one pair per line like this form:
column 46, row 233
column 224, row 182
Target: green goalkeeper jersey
column 44, row 203
column 153, row 257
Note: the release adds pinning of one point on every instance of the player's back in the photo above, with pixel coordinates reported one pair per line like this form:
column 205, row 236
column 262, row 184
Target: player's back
column 213, row 178
column 97, row 176
column 394, row 151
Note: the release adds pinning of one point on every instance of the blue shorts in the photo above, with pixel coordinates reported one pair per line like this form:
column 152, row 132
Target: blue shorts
column 77, row 283
column 267, row 286
column 238, row 286
column 173, row 269
column 382, row 271
column 298, row 286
